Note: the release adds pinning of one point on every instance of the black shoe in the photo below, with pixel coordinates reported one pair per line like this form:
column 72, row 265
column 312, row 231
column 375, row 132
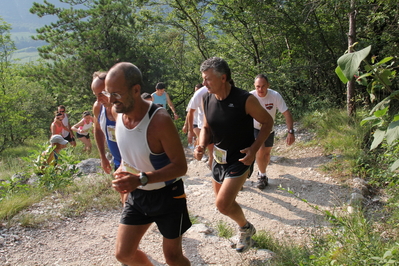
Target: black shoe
column 263, row 181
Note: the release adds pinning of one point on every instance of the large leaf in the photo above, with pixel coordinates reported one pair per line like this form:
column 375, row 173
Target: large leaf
column 349, row 63
column 393, row 132
column 378, row 137
column 341, row 75
column 394, row 166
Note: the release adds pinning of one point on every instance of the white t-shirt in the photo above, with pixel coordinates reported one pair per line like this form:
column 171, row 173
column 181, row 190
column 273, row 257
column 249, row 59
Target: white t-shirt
column 271, row 102
column 195, row 119
column 196, row 104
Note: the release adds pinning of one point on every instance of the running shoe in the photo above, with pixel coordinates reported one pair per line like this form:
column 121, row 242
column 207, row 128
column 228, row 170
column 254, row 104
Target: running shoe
column 263, row 181
column 244, row 238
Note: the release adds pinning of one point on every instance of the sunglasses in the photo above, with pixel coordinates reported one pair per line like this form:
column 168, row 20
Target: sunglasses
column 114, row 94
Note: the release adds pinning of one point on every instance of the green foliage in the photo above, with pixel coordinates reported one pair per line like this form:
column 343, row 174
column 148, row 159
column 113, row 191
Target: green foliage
column 336, row 132
column 224, row 230
column 349, row 63
column 13, row 203
column 353, row 240
column 285, row 252
column 90, row 192
column 53, row 176
column 377, row 77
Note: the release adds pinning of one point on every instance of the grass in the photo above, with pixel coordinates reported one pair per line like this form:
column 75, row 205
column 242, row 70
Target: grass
column 224, row 230
column 90, row 192
column 13, row 204
column 341, row 137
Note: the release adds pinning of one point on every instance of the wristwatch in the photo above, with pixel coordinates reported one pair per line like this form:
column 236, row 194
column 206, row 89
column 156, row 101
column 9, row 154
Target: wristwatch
column 143, row 178
column 291, row 131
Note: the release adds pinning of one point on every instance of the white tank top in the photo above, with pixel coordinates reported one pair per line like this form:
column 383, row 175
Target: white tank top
column 135, row 152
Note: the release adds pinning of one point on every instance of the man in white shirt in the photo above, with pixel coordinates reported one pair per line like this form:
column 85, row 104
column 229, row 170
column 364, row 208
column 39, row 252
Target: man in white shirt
column 272, row 101
column 196, row 105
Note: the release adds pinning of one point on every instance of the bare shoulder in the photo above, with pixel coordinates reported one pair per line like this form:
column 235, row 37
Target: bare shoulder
column 161, row 119
column 96, row 109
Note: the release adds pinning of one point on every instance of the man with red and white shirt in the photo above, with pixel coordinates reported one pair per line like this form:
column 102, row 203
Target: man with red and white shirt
column 272, row 101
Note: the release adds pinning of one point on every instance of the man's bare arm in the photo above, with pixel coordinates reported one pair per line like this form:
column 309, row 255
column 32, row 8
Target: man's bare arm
column 100, row 138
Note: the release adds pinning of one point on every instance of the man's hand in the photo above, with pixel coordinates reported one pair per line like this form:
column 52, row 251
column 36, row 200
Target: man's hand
column 105, row 165
column 125, row 182
column 249, row 158
column 290, row 139
column 199, row 152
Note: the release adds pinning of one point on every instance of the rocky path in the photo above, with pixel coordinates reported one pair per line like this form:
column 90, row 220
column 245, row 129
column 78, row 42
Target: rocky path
column 90, row 239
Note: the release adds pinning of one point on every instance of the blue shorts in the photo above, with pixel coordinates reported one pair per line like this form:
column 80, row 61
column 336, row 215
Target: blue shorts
column 167, row 207
column 269, row 142
column 237, row 169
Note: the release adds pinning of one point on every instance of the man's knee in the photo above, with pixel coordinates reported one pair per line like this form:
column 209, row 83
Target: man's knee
column 121, row 256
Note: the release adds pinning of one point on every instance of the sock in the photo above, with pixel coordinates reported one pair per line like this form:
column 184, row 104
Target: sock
column 262, row 174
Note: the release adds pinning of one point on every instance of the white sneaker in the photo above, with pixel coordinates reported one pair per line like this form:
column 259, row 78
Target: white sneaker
column 245, row 241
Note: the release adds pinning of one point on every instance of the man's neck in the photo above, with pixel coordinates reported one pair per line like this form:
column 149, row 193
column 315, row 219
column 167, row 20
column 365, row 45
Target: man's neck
column 224, row 92
column 133, row 118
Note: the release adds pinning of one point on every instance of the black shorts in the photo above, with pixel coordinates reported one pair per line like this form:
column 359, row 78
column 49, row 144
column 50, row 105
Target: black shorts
column 195, row 125
column 237, row 169
column 269, row 141
column 167, row 207
column 69, row 138
column 82, row 136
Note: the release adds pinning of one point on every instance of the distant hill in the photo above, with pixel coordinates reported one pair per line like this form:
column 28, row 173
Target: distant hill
column 24, row 25
column 16, row 13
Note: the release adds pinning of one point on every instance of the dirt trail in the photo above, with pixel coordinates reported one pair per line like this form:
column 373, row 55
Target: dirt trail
column 89, row 240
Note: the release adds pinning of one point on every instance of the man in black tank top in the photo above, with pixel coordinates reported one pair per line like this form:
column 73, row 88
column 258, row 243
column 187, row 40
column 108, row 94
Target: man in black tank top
column 229, row 113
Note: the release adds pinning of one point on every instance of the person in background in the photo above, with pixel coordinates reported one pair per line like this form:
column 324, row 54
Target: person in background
column 272, row 101
column 153, row 163
column 196, row 105
column 196, row 130
column 104, row 126
column 228, row 121
column 161, row 97
column 57, row 126
column 66, row 133
column 51, row 154
column 82, row 130
column 146, row 96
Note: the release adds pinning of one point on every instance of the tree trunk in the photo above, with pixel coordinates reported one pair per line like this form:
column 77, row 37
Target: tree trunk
column 350, row 86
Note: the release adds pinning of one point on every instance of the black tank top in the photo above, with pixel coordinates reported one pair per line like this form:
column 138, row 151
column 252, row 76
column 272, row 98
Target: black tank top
column 231, row 127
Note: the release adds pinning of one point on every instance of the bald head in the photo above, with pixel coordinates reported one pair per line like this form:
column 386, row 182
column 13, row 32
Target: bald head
column 131, row 74
column 98, row 86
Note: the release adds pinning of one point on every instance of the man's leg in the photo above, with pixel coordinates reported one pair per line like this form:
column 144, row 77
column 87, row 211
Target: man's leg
column 227, row 205
column 262, row 160
column 173, row 252
column 127, row 243
column 226, row 194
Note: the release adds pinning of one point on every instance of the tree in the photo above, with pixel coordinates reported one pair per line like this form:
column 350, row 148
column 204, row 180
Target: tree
column 22, row 112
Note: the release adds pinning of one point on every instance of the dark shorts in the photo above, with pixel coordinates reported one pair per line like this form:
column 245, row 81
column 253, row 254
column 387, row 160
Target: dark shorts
column 167, row 207
column 195, row 125
column 237, row 169
column 269, row 141
column 69, row 138
column 82, row 136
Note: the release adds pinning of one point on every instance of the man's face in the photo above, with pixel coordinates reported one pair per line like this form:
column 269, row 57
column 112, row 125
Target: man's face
column 212, row 80
column 98, row 87
column 120, row 96
column 261, row 86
